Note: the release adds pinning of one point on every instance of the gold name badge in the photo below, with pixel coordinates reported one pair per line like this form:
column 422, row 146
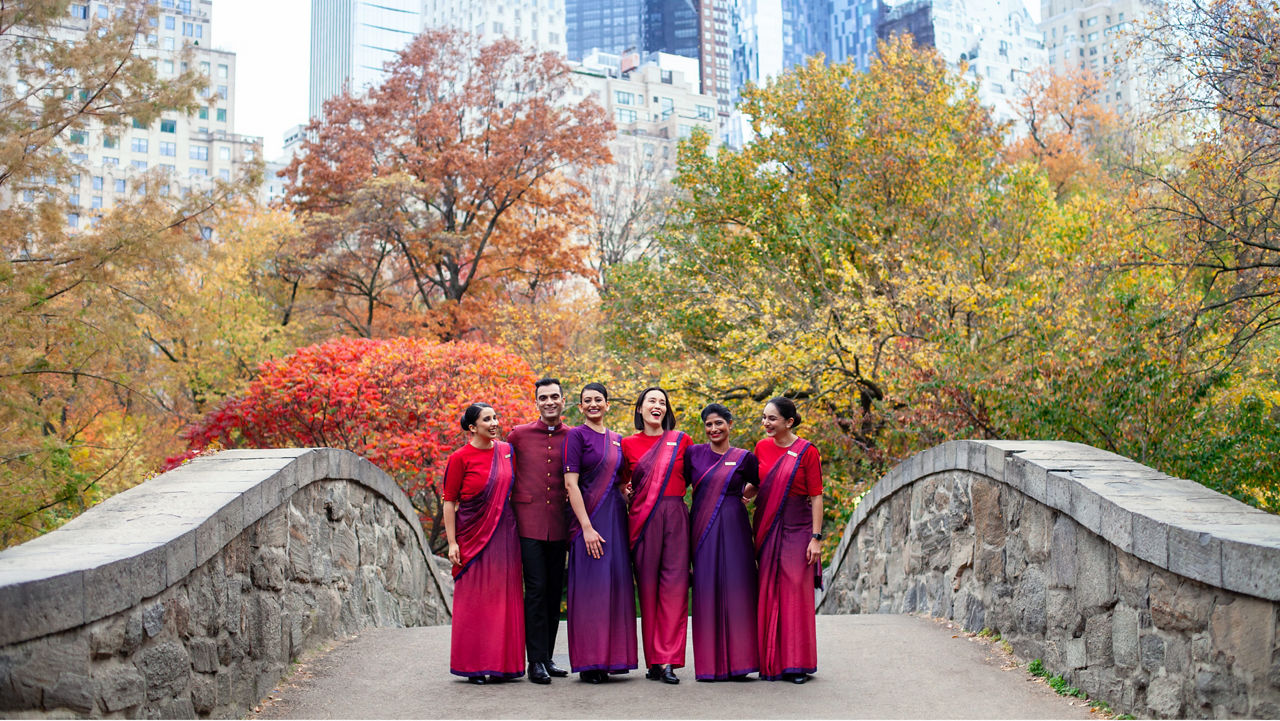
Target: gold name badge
column 731, row 463
column 792, row 454
column 671, row 443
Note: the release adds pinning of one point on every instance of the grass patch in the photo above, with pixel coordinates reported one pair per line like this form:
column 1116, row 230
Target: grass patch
column 1036, row 668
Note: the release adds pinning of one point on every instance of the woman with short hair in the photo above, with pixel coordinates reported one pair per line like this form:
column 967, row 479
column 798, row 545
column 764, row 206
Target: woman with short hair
column 488, row 605
column 788, row 535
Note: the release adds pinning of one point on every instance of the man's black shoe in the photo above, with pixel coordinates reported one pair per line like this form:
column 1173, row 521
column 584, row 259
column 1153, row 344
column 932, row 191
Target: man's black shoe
column 654, row 673
column 538, row 673
column 555, row 670
column 669, row 674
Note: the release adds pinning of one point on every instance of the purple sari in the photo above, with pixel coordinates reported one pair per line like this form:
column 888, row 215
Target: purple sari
column 786, row 617
column 724, row 565
column 601, row 595
column 488, row 603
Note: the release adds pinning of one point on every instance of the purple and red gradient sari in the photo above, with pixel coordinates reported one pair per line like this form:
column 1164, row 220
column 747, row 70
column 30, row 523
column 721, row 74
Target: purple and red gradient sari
column 601, row 606
column 659, row 532
column 786, row 616
column 488, row 603
column 724, row 566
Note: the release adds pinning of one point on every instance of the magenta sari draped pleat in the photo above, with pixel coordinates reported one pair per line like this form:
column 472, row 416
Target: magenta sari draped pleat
column 659, row 526
column 785, row 611
column 724, row 568
column 601, row 596
column 488, row 603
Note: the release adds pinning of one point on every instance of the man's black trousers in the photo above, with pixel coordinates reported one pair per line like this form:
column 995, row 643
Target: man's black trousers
column 543, row 585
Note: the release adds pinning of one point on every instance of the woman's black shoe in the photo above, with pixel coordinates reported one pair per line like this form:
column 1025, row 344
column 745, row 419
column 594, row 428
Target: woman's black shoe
column 669, row 675
column 593, row 676
column 477, row 680
column 654, row 673
column 800, row 678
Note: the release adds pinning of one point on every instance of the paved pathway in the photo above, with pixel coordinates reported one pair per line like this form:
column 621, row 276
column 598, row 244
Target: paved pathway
column 874, row 666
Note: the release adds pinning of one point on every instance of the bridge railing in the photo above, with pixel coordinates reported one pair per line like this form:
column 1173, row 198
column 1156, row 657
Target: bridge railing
column 190, row 594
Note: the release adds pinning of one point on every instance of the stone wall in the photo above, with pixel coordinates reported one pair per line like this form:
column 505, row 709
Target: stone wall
column 1150, row 592
column 191, row 594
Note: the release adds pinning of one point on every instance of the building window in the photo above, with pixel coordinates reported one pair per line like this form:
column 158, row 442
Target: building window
column 80, row 12
column 139, row 145
column 222, row 115
column 199, row 172
column 166, row 43
column 95, row 201
column 119, row 186
column 625, row 115
column 74, row 200
column 203, row 113
column 97, row 182
column 168, row 126
column 169, row 149
column 108, row 160
column 224, row 174
column 170, row 22
column 705, row 112
column 1092, row 21
column 73, row 220
column 198, row 152
column 222, row 71
column 248, row 154
column 204, row 68
column 222, row 92
column 140, row 164
column 28, row 196
column 621, row 97
column 75, row 180
column 224, row 153
column 103, row 12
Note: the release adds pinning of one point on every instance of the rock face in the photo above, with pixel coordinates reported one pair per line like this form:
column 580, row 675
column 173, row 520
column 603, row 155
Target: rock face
column 332, row 547
column 1150, row 592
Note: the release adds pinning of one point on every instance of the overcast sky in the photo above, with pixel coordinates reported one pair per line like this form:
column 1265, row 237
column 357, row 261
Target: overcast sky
column 271, row 40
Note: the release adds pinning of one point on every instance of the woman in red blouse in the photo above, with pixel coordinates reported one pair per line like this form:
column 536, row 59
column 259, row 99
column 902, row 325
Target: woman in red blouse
column 788, row 535
column 488, row 605
column 658, row 522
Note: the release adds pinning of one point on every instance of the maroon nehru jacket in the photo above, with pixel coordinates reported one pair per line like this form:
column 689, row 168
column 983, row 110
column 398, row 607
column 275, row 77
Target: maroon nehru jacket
column 539, row 496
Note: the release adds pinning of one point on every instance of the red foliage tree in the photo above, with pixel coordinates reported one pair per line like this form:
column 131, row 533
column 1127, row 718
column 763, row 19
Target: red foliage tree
column 396, row 402
column 444, row 181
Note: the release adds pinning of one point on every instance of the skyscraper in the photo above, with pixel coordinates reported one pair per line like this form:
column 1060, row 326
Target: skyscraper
column 853, row 31
column 610, row 27
column 538, row 24
column 351, row 40
column 1087, row 35
column 671, row 26
column 770, row 36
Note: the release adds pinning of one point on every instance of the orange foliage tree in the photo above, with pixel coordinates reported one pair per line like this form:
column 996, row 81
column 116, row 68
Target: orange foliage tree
column 445, row 181
column 1065, row 128
column 395, row 401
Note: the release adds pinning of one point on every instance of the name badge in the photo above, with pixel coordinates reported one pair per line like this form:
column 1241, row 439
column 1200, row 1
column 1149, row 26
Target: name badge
column 617, row 444
column 671, row 443
column 507, row 455
column 792, row 454
column 731, row 463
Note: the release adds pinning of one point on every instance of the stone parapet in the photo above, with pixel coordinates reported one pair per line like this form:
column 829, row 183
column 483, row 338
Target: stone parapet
column 1148, row 591
column 190, row 594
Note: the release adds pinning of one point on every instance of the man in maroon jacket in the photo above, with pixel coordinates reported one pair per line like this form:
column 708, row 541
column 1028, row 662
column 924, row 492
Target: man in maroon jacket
column 540, row 501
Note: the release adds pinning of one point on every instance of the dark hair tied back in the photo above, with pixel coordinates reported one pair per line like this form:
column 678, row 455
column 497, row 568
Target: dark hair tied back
column 472, row 415
column 715, row 409
column 594, row 387
column 787, row 409
column 668, row 420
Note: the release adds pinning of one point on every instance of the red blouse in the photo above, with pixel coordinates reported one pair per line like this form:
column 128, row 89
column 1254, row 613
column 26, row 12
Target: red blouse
column 637, row 445
column 466, row 472
column 808, row 479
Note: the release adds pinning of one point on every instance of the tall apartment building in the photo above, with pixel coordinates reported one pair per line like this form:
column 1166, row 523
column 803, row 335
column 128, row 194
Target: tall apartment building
column 351, row 40
column 715, row 41
column 998, row 39
column 1088, row 35
column 537, row 24
column 853, row 31
column 615, row 26
column 771, row 36
column 190, row 150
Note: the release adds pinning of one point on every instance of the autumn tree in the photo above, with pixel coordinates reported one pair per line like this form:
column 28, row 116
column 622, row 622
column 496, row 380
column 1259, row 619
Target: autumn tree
column 396, row 402
column 446, row 179
column 1215, row 187
column 1065, row 129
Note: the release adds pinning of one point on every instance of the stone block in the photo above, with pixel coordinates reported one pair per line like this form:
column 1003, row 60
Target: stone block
column 33, row 603
column 1095, row 571
column 1086, row 506
column 1164, row 697
column 1097, row 639
column 1221, row 692
column 1195, row 554
column 219, row 528
column 204, row 654
column 989, row 523
column 106, row 637
column 1062, row 553
column 118, row 585
column 1252, row 567
column 72, row 692
column 1151, row 540
column 1243, row 632
column 204, row 694
column 180, row 557
column 166, row 667
column 1029, row 602
column 1132, row 577
column 121, row 689
column 1035, row 482
column 1151, row 651
column 1117, row 524
column 153, row 619
column 1124, row 636
column 1179, row 605
column 1074, row 653
column 1058, row 491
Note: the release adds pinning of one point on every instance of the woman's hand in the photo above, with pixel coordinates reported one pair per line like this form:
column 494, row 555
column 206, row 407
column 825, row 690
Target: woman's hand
column 813, row 554
column 595, row 542
column 626, row 491
column 455, row 554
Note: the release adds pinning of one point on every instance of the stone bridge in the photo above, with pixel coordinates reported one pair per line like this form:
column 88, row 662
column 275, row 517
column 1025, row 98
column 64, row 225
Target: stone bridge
column 193, row 594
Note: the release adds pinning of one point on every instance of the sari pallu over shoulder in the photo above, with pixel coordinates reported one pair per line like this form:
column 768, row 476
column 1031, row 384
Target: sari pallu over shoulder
column 649, row 481
column 599, row 484
column 708, row 493
column 774, row 489
column 478, row 516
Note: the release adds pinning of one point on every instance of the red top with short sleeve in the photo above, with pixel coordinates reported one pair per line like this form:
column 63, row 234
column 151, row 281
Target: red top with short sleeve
column 637, row 445
column 808, row 480
column 466, row 472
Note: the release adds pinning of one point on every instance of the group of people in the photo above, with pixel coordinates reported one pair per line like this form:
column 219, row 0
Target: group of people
column 615, row 507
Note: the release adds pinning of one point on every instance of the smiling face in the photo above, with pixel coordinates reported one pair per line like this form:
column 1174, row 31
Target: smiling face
column 593, row 405
column 653, row 408
column 717, row 428
column 486, row 426
column 550, row 400
column 773, row 422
